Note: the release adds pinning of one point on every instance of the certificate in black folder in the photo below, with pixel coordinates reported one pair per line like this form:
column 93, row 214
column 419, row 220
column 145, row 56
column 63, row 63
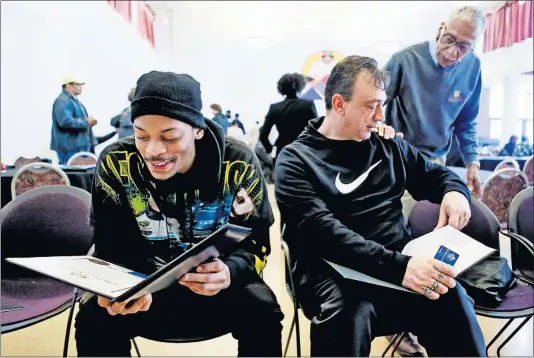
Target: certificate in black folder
column 120, row 284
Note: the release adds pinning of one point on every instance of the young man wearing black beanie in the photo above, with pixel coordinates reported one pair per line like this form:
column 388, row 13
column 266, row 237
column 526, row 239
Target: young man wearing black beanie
column 157, row 194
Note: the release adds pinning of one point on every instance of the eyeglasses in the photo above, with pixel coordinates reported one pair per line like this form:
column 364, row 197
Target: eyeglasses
column 462, row 47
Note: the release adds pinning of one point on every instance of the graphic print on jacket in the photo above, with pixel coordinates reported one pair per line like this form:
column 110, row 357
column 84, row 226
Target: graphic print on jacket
column 174, row 220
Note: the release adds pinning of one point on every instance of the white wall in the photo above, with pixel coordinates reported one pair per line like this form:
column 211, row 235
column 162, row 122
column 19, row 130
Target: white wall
column 214, row 42
column 45, row 41
column 501, row 77
column 513, row 60
column 244, row 79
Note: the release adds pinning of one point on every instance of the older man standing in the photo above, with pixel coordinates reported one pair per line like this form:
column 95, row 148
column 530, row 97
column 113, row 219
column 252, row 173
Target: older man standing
column 434, row 95
column 435, row 91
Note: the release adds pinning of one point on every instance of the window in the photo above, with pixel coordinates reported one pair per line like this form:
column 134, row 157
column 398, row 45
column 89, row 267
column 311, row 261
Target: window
column 524, row 104
column 518, row 128
column 496, row 102
column 495, row 128
column 529, row 129
column 529, row 103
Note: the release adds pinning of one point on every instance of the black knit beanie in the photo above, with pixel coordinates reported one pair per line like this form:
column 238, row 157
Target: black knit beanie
column 168, row 94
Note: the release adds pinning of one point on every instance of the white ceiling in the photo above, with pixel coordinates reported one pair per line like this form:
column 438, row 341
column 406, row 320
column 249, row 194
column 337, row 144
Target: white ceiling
column 388, row 25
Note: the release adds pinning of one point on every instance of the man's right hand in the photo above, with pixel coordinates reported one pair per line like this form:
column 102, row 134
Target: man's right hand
column 92, row 122
column 140, row 304
column 429, row 277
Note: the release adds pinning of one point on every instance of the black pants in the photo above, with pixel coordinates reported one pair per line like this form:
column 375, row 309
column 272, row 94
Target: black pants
column 346, row 316
column 250, row 312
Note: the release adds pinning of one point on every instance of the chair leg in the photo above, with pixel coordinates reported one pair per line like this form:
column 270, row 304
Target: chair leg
column 136, row 348
column 69, row 322
column 398, row 343
column 498, row 335
column 512, row 335
column 297, row 331
column 289, row 337
column 390, row 344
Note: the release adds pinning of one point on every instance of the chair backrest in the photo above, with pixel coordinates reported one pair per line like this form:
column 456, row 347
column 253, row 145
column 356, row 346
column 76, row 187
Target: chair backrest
column 83, row 158
column 520, row 219
column 21, row 161
column 35, row 175
column 520, row 222
column 500, row 189
column 483, row 225
column 508, row 162
column 290, row 285
column 528, row 170
column 48, row 221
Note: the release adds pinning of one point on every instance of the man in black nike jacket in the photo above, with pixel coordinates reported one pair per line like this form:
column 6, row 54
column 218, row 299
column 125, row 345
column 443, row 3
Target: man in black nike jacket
column 339, row 187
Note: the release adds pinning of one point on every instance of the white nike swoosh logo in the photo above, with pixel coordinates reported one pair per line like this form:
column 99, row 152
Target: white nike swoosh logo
column 350, row 187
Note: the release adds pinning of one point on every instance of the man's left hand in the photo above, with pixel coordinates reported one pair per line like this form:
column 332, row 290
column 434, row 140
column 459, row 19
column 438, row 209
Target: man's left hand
column 210, row 279
column 455, row 211
column 387, row 132
column 473, row 181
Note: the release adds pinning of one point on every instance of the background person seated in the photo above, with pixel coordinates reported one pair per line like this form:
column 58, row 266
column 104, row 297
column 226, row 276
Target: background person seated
column 123, row 121
column 339, row 188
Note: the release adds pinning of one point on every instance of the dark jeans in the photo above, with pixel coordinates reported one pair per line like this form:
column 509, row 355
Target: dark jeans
column 347, row 315
column 250, row 312
column 63, row 157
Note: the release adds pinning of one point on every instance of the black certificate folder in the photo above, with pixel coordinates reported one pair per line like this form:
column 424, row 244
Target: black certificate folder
column 222, row 242
column 120, row 284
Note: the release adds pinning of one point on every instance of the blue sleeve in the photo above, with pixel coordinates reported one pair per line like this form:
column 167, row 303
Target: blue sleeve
column 395, row 71
column 465, row 126
column 64, row 116
column 426, row 180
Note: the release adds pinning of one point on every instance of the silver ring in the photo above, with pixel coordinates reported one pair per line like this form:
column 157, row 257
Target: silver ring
column 428, row 291
column 435, row 285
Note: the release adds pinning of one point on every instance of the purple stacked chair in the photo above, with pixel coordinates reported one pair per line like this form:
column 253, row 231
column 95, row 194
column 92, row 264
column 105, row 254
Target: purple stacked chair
column 485, row 228
column 528, row 170
column 507, row 163
column 47, row 221
column 520, row 222
column 500, row 189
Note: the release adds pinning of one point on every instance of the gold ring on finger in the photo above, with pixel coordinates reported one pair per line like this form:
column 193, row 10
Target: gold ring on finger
column 435, row 285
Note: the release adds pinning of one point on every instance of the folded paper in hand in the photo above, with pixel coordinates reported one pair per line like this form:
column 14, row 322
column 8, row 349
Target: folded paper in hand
column 446, row 244
column 118, row 283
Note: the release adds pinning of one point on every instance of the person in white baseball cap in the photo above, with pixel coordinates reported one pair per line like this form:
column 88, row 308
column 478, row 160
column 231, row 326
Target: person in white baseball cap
column 71, row 125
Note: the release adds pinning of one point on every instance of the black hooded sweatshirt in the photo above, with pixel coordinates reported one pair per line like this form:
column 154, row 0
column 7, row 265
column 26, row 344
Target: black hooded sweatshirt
column 332, row 210
column 141, row 226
